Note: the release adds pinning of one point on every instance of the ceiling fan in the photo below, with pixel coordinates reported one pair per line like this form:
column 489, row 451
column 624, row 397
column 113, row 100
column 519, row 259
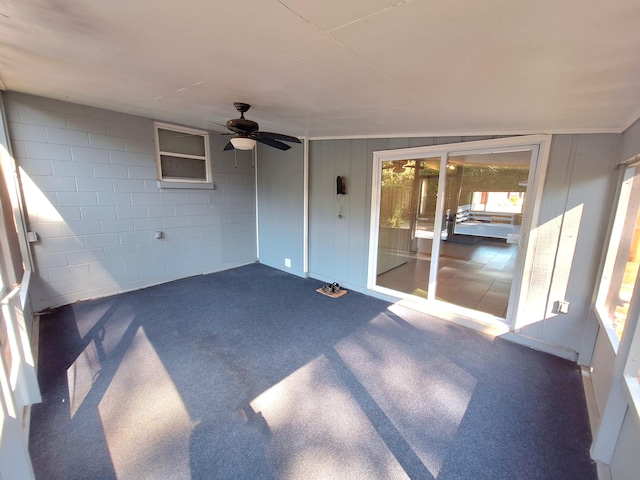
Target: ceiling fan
column 247, row 133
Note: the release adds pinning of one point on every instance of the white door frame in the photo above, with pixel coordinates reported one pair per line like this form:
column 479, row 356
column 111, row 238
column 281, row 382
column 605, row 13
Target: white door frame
column 540, row 146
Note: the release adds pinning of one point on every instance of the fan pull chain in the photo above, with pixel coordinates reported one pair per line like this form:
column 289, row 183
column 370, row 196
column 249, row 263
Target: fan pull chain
column 235, row 159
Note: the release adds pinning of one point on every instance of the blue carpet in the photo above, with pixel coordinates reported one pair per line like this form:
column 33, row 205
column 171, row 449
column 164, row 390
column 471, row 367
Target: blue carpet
column 249, row 373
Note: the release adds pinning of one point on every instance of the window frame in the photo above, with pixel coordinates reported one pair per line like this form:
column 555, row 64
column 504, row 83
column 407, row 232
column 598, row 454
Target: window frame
column 174, row 182
column 632, row 364
column 627, row 347
column 613, row 262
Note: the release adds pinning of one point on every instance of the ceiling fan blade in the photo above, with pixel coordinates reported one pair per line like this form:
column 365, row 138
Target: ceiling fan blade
column 228, row 146
column 278, row 136
column 272, row 142
column 236, row 130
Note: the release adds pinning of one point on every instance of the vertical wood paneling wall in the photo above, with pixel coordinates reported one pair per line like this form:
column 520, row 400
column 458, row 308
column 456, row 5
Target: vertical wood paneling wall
column 574, row 215
column 280, row 177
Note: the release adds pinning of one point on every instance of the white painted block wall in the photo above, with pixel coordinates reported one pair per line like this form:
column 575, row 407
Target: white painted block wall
column 89, row 179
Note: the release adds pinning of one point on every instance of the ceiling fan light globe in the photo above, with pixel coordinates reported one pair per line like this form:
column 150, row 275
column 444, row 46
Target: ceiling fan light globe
column 243, row 143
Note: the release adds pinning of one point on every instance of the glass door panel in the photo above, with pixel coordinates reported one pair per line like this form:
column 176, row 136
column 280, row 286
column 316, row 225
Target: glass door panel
column 408, row 199
column 483, row 206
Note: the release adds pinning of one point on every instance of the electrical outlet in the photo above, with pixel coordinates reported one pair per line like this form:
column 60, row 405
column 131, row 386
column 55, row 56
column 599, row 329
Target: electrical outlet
column 287, row 262
column 562, row 306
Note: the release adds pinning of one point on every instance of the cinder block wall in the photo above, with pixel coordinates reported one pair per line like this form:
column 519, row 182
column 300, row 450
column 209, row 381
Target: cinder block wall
column 89, row 179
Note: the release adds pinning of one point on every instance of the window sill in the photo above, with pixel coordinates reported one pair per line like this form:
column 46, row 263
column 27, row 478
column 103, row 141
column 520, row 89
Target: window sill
column 162, row 184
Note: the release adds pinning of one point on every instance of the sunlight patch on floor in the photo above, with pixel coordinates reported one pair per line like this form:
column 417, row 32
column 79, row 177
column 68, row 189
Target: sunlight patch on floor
column 318, row 428
column 85, row 370
column 138, row 433
column 423, row 393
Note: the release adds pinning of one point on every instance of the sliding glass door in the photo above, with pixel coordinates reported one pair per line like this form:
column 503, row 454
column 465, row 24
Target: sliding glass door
column 408, row 196
column 450, row 223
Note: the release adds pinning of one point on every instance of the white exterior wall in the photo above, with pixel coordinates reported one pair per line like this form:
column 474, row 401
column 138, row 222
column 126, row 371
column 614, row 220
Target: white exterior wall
column 89, row 180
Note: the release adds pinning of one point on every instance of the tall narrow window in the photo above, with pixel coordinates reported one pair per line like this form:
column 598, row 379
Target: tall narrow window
column 182, row 154
column 623, row 258
column 618, row 299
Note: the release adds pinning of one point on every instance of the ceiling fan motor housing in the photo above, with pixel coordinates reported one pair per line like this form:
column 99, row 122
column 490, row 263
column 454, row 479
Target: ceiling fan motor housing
column 242, row 125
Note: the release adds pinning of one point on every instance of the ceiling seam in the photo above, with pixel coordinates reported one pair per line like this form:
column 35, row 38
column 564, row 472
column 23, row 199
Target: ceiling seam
column 375, row 69
column 299, row 16
column 344, row 47
column 396, row 5
column 370, row 65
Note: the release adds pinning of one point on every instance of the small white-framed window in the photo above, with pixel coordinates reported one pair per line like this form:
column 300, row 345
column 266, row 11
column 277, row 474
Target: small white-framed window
column 182, row 155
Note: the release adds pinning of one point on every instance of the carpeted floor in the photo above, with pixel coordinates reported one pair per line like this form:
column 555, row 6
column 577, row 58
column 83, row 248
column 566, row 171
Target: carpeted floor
column 250, row 373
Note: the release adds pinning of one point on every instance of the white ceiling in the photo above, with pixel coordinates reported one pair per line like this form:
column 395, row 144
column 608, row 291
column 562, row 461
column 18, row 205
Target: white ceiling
column 336, row 68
